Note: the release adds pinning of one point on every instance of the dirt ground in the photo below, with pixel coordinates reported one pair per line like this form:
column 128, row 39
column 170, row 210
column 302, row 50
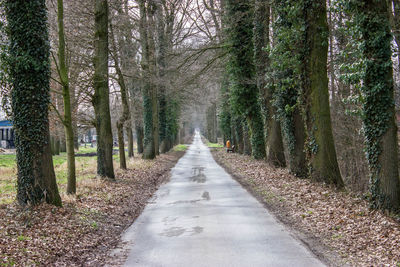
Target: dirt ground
column 88, row 226
column 338, row 226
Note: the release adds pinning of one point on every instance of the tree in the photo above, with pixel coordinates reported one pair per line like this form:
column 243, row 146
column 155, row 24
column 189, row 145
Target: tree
column 100, row 99
column 378, row 106
column 29, row 73
column 67, row 120
column 149, row 89
column 320, row 144
column 244, row 93
column 125, row 116
column 274, row 144
column 284, row 78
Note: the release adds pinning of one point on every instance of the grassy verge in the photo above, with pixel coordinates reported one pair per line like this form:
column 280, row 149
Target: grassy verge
column 85, row 168
column 214, row 145
column 180, row 147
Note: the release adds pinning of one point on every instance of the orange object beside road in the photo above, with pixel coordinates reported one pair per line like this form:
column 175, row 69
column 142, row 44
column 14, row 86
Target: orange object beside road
column 228, row 144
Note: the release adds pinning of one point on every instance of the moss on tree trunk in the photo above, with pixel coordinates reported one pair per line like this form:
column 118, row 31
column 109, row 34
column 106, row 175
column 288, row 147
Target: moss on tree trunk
column 320, row 144
column 380, row 127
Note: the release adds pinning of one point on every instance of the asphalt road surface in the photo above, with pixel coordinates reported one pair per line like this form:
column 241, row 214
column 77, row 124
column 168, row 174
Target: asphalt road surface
column 203, row 217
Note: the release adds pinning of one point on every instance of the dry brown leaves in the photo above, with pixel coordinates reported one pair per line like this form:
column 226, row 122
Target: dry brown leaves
column 82, row 232
column 341, row 220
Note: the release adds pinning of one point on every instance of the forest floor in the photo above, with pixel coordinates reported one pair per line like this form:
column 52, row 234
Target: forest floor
column 337, row 226
column 88, row 226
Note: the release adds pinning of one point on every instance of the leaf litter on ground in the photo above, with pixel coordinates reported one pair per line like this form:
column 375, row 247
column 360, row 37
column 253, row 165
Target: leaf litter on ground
column 341, row 221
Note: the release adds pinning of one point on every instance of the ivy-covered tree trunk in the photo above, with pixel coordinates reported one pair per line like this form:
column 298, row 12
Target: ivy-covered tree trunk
column 320, row 144
column 285, row 75
column 211, row 117
column 379, row 112
column 152, row 59
column 29, row 72
column 225, row 113
column 149, row 151
column 297, row 156
column 274, row 145
column 162, row 46
column 237, row 129
column 244, row 93
column 67, row 120
column 246, row 139
column 100, row 99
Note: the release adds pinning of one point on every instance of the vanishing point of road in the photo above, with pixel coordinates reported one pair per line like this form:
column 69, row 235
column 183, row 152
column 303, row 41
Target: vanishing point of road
column 203, row 217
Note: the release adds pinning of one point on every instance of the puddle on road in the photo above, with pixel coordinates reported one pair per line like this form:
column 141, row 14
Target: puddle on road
column 197, row 230
column 197, row 170
column 185, row 201
column 206, row 195
column 198, row 175
column 169, row 220
column 178, row 231
column 173, row 231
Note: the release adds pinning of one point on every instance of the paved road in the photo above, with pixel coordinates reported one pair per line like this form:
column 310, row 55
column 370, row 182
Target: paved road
column 202, row 217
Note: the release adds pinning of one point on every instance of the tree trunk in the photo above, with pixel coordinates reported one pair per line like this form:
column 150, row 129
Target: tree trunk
column 57, row 146
column 149, row 151
column 153, row 73
column 125, row 105
column 139, row 138
column 274, row 145
column 246, row 139
column 379, row 111
column 128, row 130
column 321, row 148
column 238, row 130
column 297, row 157
column 100, row 100
column 244, row 93
column 162, row 46
column 67, row 120
column 30, row 76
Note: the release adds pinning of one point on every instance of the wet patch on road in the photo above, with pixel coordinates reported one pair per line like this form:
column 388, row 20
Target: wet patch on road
column 173, row 231
column 206, row 195
column 197, row 230
column 198, row 175
column 169, row 220
column 178, row 231
column 185, row 201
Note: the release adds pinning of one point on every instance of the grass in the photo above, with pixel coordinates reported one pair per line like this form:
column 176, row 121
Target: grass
column 214, row 145
column 7, row 161
column 85, row 169
column 180, row 147
column 87, row 149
